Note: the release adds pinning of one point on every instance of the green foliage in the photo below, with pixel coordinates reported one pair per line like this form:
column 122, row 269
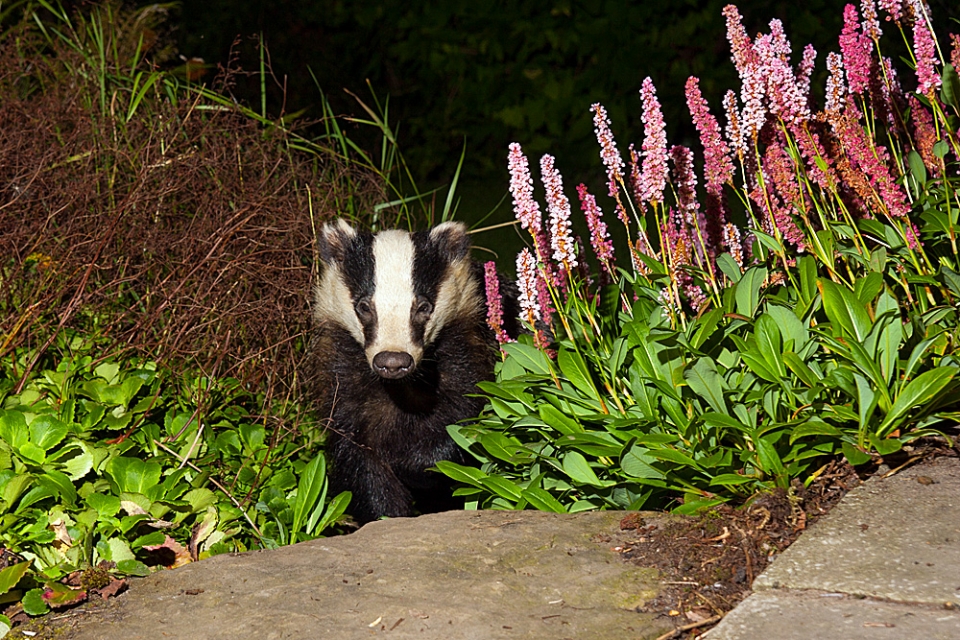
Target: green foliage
column 701, row 376
column 102, row 461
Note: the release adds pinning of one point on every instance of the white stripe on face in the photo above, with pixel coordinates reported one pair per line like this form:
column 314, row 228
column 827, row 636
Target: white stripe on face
column 393, row 296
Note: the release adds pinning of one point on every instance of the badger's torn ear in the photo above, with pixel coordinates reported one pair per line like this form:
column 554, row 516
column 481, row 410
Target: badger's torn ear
column 334, row 239
column 452, row 240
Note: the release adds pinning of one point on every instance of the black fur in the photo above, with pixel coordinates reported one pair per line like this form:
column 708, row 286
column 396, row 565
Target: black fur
column 384, row 434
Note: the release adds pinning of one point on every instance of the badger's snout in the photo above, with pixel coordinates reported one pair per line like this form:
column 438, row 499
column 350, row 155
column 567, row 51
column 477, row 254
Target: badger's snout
column 393, row 365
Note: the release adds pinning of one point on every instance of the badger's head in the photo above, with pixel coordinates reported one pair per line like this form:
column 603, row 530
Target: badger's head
column 395, row 291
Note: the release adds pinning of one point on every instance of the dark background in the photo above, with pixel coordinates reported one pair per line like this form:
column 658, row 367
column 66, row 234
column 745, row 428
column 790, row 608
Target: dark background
column 492, row 72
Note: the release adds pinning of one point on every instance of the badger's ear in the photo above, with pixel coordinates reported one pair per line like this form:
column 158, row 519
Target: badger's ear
column 334, row 239
column 452, row 240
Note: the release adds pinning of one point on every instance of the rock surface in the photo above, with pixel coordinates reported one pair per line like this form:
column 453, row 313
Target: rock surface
column 490, row 575
column 884, row 563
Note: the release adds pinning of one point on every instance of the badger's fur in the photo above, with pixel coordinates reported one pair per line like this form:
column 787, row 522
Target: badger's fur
column 401, row 342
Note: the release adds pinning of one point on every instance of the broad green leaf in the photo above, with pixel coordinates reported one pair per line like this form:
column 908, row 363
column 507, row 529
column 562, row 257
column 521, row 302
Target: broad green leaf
column 867, row 288
column 133, row 567
column 60, row 484
column 729, row 267
column 853, row 455
column 950, row 87
column 705, row 381
column 918, row 391
column 748, row 290
column 814, row 427
column 575, row 370
column 503, row 488
column 542, row 500
column 767, row 335
column 730, row 479
column 801, row 369
column 529, row 357
column 335, row 508
column 791, row 327
column 674, row 456
column 34, row 604
column 637, row 464
column 915, row 163
column 313, row 480
column 13, row 428
column 560, row 421
column 844, row 310
column 46, row 431
column 10, row 576
column 106, row 505
column 770, row 461
column 866, row 400
column 134, row 475
column 461, row 473
column 576, row 466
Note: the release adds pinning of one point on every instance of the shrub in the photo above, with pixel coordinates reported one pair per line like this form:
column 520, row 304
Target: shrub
column 802, row 305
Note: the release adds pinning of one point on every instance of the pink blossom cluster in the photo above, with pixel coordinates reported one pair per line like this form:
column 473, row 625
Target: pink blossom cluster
column 925, row 51
column 856, row 48
column 717, row 166
column 494, row 302
column 558, row 206
column 608, row 149
column 599, row 236
column 653, row 179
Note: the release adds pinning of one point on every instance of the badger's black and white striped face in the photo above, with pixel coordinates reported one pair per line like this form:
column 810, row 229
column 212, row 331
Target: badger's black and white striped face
column 395, row 291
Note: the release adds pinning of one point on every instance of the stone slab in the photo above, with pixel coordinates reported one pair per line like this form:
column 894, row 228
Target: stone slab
column 895, row 539
column 490, row 575
column 805, row 615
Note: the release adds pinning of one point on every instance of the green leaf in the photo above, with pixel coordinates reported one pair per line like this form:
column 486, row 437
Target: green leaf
column 461, row 473
column 853, row 455
column 767, row 335
column 918, row 391
column 950, row 87
column 916, row 166
column 33, row 603
column 313, row 480
column 730, row 479
column 10, row 576
column 560, row 421
column 542, row 500
column 844, row 310
column 105, row 505
column 134, row 475
column 705, row 381
column 748, row 290
column 867, row 288
column 336, row 508
column 576, row 466
column 133, row 567
column 637, row 464
column 529, row 357
column 13, row 428
column 801, row 369
column 575, row 370
column 814, row 427
column 503, row 488
column 770, row 461
column 60, row 484
column 729, row 267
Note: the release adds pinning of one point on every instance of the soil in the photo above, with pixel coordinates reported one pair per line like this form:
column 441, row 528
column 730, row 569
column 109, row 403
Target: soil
column 708, row 563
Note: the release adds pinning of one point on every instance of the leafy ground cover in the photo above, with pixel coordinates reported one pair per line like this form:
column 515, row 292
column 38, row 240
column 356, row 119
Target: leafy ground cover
column 800, row 307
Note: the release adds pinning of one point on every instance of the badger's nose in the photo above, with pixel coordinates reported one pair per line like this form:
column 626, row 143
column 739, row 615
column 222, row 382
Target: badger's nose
column 393, row 364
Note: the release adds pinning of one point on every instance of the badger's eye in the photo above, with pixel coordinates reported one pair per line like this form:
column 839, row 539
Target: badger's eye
column 363, row 309
column 424, row 308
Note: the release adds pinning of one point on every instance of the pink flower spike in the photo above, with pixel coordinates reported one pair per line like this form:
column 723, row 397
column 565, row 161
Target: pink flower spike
column 525, row 207
column 925, row 51
column 653, row 180
column 894, row 9
column 685, row 181
column 740, row 45
column 494, row 302
column 599, row 237
column 527, row 283
column 718, row 167
column 733, row 130
column 558, row 206
column 805, row 70
column 856, row 49
column 871, row 26
column 608, row 149
column 836, row 87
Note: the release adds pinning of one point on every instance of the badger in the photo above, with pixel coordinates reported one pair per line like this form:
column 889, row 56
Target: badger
column 400, row 343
